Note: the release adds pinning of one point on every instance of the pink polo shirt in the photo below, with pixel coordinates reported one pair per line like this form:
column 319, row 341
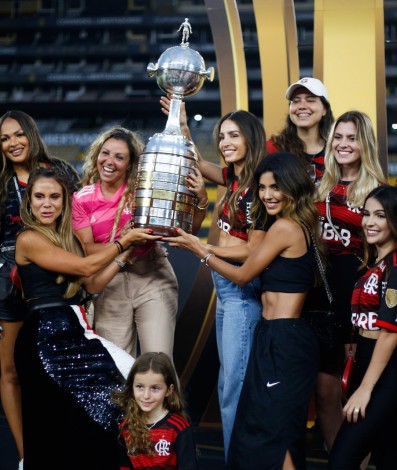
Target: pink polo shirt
column 91, row 209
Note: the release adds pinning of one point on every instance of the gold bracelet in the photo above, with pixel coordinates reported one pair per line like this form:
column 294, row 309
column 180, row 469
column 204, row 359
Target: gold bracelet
column 203, row 208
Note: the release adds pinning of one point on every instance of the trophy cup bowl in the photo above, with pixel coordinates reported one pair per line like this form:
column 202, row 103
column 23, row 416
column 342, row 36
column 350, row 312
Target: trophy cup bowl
column 162, row 200
column 180, row 71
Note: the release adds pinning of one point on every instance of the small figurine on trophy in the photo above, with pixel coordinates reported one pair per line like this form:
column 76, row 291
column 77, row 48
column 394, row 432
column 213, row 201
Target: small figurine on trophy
column 162, row 200
column 186, row 32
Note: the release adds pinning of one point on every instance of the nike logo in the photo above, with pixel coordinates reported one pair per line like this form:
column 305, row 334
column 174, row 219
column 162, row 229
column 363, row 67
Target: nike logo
column 268, row 385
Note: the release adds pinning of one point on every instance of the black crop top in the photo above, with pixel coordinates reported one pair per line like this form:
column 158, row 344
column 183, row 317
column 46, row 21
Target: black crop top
column 38, row 282
column 290, row 275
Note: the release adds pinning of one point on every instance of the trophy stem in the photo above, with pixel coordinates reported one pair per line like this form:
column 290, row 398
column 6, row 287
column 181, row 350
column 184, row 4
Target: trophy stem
column 173, row 122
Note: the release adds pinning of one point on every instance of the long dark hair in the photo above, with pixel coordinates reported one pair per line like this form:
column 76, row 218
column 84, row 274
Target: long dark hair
column 287, row 139
column 38, row 151
column 294, row 182
column 253, row 132
column 387, row 196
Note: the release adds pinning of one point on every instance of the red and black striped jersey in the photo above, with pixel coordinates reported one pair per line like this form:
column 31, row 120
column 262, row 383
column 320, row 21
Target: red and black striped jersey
column 366, row 298
column 173, row 444
column 240, row 229
column 347, row 221
column 387, row 317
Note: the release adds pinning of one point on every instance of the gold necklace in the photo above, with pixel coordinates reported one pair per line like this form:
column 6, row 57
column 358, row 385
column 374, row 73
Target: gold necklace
column 159, row 419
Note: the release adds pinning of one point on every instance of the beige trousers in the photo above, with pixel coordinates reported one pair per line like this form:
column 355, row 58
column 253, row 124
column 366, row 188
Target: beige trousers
column 140, row 301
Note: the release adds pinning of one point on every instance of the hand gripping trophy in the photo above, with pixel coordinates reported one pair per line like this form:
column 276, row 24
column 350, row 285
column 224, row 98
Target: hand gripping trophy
column 162, row 200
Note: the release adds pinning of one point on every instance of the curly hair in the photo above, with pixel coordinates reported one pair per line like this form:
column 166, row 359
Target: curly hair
column 91, row 173
column 134, row 422
column 62, row 236
column 370, row 173
column 254, row 135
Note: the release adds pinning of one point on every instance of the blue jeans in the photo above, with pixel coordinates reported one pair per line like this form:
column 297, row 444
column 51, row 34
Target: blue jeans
column 238, row 310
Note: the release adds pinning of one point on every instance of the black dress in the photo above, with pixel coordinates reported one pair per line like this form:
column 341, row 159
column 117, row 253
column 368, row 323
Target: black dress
column 67, row 375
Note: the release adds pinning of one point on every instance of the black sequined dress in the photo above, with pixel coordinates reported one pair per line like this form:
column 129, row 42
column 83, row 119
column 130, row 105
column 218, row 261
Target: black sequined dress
column 67, row 375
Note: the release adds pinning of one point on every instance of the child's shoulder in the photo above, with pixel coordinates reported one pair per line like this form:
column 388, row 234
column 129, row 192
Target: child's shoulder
column 178, row 421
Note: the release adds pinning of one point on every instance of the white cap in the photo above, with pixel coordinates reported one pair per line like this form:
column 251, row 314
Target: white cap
column 314, row 85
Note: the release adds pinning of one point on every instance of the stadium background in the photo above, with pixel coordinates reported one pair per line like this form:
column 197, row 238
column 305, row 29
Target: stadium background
column 79, row 67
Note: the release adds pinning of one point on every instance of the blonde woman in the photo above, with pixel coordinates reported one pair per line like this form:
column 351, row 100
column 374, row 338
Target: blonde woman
column 22, row 150
column 142, row 299
column 67, row 372
column 352, row 171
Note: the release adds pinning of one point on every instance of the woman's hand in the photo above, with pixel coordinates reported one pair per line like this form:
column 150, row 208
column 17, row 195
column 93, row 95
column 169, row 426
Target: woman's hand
column 195, row 183
column 138, row 236
column 187, row 242
column 357, row 404
column 165, row 102
column 127, row 227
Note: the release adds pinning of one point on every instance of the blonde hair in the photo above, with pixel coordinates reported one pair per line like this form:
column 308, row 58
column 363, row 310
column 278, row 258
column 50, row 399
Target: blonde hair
column 91, row 173
column 370, row 173
column 62, row 235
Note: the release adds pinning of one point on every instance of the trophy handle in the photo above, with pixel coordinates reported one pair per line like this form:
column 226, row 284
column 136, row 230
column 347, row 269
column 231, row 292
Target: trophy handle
column 151, row 69
column 209, row 73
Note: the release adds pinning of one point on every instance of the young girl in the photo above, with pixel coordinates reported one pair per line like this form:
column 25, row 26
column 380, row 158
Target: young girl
column 155, row 430
column 371, row 411
column 270, row 424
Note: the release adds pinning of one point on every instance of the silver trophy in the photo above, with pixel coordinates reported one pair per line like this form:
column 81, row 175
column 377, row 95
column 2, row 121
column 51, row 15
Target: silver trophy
column 162, row 200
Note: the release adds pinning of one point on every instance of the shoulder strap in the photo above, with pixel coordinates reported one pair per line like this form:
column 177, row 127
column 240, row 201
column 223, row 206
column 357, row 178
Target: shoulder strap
column 329, row 219
column 320, row 266
column 306, row 240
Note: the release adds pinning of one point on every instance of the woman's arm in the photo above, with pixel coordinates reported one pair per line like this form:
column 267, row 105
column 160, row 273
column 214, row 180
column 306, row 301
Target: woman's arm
column 195, row 184
column 279, row 238
column 241, row 252
column 96, row 283
column 210, row 170
column 36, row 248
column 384, row 348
